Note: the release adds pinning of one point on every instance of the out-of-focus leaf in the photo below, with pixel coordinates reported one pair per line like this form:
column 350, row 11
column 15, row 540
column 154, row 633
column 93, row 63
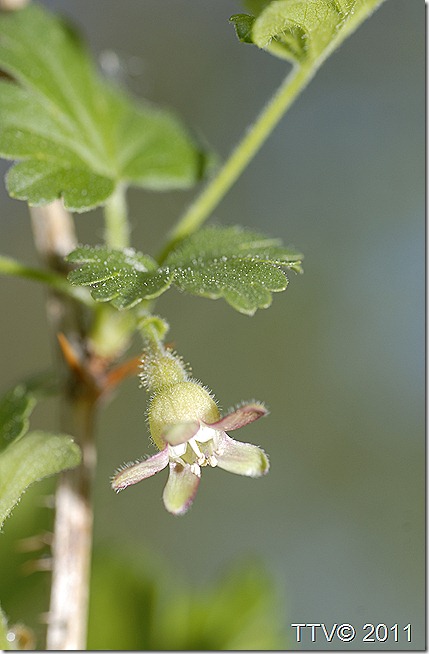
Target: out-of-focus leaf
column 241, row 266
column 32, row 457
column 4, row 644
column 244, row 602
column 76, row 135
column 15, row 409
column 302, row 31
column 123, row 276
column 17, row 404
column 157, row 611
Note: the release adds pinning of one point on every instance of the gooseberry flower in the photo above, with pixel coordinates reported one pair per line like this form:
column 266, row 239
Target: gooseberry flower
column 190, row 434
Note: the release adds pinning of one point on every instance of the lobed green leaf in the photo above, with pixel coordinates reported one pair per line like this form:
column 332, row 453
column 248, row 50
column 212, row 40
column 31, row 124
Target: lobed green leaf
column 123, row 276
column 78, row 136
column 243, row 267
column 301, row 31
column 31, row 458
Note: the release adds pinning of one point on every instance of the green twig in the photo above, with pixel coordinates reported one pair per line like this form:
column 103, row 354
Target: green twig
column 117, row 231
column 56, row 282
column 241, row 156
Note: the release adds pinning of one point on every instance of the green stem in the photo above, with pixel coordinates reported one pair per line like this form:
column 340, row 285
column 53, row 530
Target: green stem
column 241, row 156
column 117, row 232
column 153, row 330
column 13, row 268
column 111, row 330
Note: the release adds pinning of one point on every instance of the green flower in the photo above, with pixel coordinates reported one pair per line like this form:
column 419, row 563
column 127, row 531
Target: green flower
column 186, row 427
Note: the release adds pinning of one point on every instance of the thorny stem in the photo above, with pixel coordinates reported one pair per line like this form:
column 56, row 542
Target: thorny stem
column 240, row 157
column 12, row 5
column 54, row 235
column 73, row 535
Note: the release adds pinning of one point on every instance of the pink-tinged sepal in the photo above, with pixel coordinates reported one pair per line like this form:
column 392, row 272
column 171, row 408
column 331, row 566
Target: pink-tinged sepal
column 181, row 487
column 241, row 458
column 135, row 472
column 242, row 416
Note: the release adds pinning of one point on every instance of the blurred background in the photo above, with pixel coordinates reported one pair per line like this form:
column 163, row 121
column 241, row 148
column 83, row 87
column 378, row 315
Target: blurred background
column 335, row 532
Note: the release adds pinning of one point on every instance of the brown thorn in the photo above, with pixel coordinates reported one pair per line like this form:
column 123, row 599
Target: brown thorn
column 69, row 354
column 118, row 374
column 34, row 543
column 44, row 618
column 37, row 565
column 91, row 380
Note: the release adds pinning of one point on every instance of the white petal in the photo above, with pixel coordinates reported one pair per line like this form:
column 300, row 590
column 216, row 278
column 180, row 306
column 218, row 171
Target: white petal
column 176, row 451
column 205, row 434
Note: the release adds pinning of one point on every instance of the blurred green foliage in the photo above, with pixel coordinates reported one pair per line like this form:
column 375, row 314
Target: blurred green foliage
column 77, row 136
column 137, row 605
column 138, row 600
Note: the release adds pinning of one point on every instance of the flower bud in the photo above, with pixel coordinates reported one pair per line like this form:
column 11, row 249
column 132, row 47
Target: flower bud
column 162, row 369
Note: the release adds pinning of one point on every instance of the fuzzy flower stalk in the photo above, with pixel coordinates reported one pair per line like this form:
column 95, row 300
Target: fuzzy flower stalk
column 189, row 432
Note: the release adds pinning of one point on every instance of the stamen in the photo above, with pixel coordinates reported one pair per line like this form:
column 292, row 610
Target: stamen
column 205, row 434
column 195, row 468
column 196, row 449
column 176, row 451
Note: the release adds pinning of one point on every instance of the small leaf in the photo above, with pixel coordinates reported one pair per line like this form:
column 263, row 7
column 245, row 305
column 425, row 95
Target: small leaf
column 239, row 265
column 78, row 136
column 123, row 276
column 17, row 404
column 31, row 458
column 303, row 31
column 243, row 24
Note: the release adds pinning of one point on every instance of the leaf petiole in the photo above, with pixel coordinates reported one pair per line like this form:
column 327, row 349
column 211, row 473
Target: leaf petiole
column 14, row 268
column 116, row 227
column 241, row 156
